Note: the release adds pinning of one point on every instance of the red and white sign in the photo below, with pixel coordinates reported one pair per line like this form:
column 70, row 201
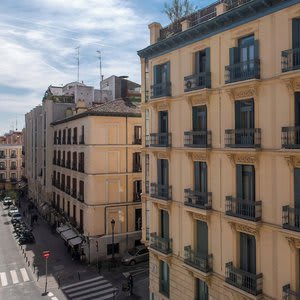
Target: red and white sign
column 46, row 254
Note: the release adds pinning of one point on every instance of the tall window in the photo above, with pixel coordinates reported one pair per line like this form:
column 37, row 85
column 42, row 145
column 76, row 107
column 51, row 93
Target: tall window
column 137, row 139
column 147, row 127
column 163, row 178
column 200, row 177
column 81, row 219
column 201, row 243
column 147, row 172
column 161, row 79
column 75, row 135
column 201, row 290
column 245, row 182
column 136, row 158
column 138, row 219
column 164, row 224
column 164, row 278
column 81, row 190
column 137, row 190
column 247, row 253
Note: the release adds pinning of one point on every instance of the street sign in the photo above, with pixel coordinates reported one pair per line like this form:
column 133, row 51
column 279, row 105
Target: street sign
column 46, row 254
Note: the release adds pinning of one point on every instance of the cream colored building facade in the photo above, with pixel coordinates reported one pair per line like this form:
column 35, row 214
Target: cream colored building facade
column 97, row 175
column 220, row 105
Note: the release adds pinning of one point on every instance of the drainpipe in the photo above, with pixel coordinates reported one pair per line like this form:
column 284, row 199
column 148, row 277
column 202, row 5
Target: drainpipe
column 126, row 181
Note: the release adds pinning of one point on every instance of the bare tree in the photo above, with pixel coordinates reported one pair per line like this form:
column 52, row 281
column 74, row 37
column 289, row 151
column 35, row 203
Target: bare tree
column 178, row 9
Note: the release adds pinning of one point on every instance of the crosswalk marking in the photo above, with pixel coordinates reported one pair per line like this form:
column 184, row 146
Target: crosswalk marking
column 24, row 274
column 83, row 282
column 90, row 290
column 96, row 283
column 14, row 276
column 93, row 294
column 3, row 279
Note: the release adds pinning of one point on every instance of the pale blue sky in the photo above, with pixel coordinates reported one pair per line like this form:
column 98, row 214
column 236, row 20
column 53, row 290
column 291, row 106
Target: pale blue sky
column 39, row 37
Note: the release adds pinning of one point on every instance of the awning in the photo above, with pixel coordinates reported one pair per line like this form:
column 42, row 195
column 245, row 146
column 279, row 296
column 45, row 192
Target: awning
column 62, row 228
column 75, row 241
column 68, row 234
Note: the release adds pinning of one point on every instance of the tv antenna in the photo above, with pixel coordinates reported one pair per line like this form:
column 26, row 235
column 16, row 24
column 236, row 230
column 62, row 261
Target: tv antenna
column 78, row 62
column 100, row 70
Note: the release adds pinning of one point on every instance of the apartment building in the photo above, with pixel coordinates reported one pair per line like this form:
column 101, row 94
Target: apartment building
column 11, row 162
column 221, row 161
column 97, row 177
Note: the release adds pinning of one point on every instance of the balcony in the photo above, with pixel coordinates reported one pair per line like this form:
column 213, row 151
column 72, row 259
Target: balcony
column 62, row 187
column 58, row 162
column 137, row 141
column 69, row 140
column 197, row 199
column 68, row 190
column 63, row 163
column 2, row 167
column 81, row 139
column 54, row 161
column 290, row 137
column 242, row 71
column 74, row 139
column 64, row 140
column 290, row 60
column 248, row 282
column 2, row 180
column 80, row 197
column 57, row 184
column 243, row 209
column 160, row 244
column 13, row 167
column 160, row 139
column 74, row 166
column 68, row 164
column 243, row 138
column 2, row 156
column 81, row 167
column 202, row 263
column 197, row 139
column 160, row 90
column 74, row 193
column 288, row 294
column 137, row 196
column 291, row 218
column 161, row 191
column 13, row 155
column 136, row 168
column 197, row 81
column 13, row 180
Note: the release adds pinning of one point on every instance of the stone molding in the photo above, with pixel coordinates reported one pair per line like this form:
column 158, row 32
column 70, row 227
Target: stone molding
column 293, row 243
column 292, row 85
column 201, row 98
column 252, row 230
column 239, row 93
column 247, row 158
column 292, row 161
column 197, row 156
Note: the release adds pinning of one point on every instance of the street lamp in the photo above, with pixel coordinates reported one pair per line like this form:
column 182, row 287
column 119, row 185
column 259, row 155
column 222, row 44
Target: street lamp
column 113, row 222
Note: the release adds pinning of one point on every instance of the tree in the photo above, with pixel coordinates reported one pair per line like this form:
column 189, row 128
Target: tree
column 178, row 9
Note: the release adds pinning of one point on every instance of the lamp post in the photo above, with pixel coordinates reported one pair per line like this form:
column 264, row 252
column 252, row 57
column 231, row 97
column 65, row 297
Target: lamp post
column 113, row 222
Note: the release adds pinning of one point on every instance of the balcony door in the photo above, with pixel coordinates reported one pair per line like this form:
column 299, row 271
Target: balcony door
column 297, row 197
column 244, row 122
column 200, row 125
column 247, row 253
column 163, row 127
column 245, row 182
column 201, row 239
column 163, row 177
column 164, row 224
column 200, row 177
column 246, row 52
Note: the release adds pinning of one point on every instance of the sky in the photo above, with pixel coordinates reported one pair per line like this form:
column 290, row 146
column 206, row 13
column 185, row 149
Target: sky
column 39, row 40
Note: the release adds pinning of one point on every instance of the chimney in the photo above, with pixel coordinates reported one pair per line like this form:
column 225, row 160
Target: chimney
column 154, row 32
column 221, row 8
column 185, row 24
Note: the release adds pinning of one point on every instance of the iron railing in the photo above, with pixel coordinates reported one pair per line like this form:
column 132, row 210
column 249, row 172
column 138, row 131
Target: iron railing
column 235, row 3
column 160, row 139
column 161, row 191
column 290, row 137
column 244, row 209
column 80, row 197
column 197, row 199
column 137, row 141
column 291, row 218
column 63, row 163
column 68, row 164
column 13, row 167
column 197, row 139
column 2, row 156
column 198, row 261
column 69, row 140
column 197, row 81
column 2, row 167
column 242, row 71
column 290, row 60
column 81, row 167
column 248, row 282
column 68, row 190
column 74, row 166
column 161, row 90
column 74, row 193
column 161, row 244
column 75, row 139
column 13, row 155
column 137, row 168
column 288, row 294
column 243, row 138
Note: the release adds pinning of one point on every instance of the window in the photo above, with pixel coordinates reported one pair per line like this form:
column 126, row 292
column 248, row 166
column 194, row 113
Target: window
column 74, row 163
column 109, row 248
column 74, row 188
column 163, row 178
column 247, row 253
column 69, row 136
column 137, row 139
column 58, row 202
column 147, row 172
column 2, row 165
column 81, row 219
column 68, row 208
column 59, row 137
column 81, row 191
column 64, row 137
column 201, row 243
column 81, row 162
column 147, row 220
column 136, row 160
column 137, row 190
column 245, row 182
column 74, row 212
column 138, row 219
column 63, row 204
column 164, row 280
column 81, row 138
column 75, row 135
column 161, row 79
column 296, row 34
column 200, row 177
column 147, row 127
column 55, row 138
column 201, row 290
column 164, row 224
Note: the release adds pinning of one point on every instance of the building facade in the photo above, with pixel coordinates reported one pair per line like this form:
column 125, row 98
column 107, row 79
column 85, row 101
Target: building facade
column 97, row 176
column 221, row 161
column 11, row 160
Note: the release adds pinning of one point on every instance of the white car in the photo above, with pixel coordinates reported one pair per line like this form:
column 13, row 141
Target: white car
column 12, row 211
column 7, row 201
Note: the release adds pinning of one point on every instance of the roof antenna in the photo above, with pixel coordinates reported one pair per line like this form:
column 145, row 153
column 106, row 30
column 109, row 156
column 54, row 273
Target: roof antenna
column 100, row 70
column 78, row 62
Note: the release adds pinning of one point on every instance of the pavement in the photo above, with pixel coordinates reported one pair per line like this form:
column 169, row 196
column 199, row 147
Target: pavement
column 71, row 279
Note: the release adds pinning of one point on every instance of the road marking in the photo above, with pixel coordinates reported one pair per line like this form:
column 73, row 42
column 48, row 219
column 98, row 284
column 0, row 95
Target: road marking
column 50, row 294
column 24, row 274
column 14, row 276
column 54, row 298
column 3, row 279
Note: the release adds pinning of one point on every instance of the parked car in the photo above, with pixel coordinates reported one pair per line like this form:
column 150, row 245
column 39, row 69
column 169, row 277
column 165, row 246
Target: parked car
column 7, row 201
column 13, row 210
column 16, row 217
column 135, row 255
column 26, row 239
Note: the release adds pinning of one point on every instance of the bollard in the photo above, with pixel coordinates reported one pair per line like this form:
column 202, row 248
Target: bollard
column 26, row 258
column 58, row 281
column 33, row 267
column 37, row 275
column 28, row 263
column 78, row 275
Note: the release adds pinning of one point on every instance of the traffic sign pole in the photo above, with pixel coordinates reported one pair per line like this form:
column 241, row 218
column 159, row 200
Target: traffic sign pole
column 46, row 255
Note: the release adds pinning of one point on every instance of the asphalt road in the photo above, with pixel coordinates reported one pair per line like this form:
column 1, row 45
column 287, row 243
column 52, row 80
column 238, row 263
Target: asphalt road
column 16, row 280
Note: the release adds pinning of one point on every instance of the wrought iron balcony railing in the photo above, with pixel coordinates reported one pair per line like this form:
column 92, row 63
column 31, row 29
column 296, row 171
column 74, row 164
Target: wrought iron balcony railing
column 137, row 196
column 160, row 139
column 2, row 156
column 2, row 180
column 242, row 71
column 161, row 90
column 288, row 294
column 243, row 138
column 198, row 261
column 137, row 141
column 75, row 139
column 248, row 282
column 197, row 139
column 63, row 163
column 74, row 166
column 13, row 155
column 137, row 168
column 68, row 190
column 80, row 197
column 290, row 137
column 291, row 218
column 2, row 167
column 58, row 161
column 74, row 193
column 68, row 164
column 81, row 167
column 244, row 209
column 160, row 244
column 197, row 81
column 13, row 167
column 290, row 60
column 62, row 186
column 161, row 191
column 13, row 180
column 69, row 140
column 197, row 199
